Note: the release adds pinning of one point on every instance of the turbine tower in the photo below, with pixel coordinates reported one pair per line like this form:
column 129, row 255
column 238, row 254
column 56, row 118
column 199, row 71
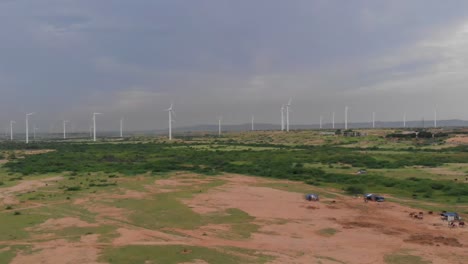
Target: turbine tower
column 27, row 126
column 94, row 125
column 282, row 117
column 65, row 129
column 253, row 119
column 171, row 112
column 121, row 127
column 373, row 119
column 435, row 118
column 219, row 125
column 11, row 129
column 333, row 120
column 35, row 130
column 287, row 114
column 346, row 117
column 404, row 120
column 321, row 121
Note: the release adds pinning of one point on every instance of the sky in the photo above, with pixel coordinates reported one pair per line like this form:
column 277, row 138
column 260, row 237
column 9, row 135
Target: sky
column 65, row 59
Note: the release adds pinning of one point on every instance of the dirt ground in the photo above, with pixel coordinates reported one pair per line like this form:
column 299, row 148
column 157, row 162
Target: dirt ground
column 342, row 229
column 458, row 140
column 8, row 195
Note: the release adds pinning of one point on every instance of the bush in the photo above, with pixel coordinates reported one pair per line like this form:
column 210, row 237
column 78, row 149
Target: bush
column 355, row 189
column 73, row 188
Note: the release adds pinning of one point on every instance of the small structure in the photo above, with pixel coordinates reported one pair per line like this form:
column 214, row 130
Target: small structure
column 312, row 197
column 374, row 197
column 451, row 216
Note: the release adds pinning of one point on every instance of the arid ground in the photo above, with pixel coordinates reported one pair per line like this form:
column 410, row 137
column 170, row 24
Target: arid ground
column 190, row 218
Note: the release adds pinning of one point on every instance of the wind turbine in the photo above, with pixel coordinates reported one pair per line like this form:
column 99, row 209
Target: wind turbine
column 333, row 120
column 282, row 117
column 94, row 125
column 27, row 126
column 346, row 117
column 11, row 129
column 287, row 114
column 65, row 129
column 219, row 125
column 121, row 127
column 253, row 119
column 373, row 119
column 321, row 121
column 435, row 118
column 171, row 112
column 35, row 130
column 404, row 120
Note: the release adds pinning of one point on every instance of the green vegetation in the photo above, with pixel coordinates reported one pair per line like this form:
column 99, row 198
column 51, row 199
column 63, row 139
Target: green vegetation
column 178, row 254
column 280, row 161
column 7, row 253
column 328, row 232
column 12, row 225
column 404, row 258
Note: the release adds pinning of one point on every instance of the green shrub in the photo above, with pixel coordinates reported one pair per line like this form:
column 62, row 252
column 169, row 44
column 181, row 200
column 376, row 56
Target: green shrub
column 355, row 189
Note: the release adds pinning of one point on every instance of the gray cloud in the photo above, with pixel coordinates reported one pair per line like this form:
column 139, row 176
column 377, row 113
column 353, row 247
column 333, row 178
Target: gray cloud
column 65, row 59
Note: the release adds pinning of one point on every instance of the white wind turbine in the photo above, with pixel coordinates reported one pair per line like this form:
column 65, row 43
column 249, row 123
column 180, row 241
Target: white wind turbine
column 287, row 114
column 35, row 130
column 282, row 117
column 219, row 125
column 94, row 125
column 404, row 120
column 65, row 129
column 27, row 126
column 121, row 127
column 346, row 117
column 321, row 122
column 11, row 129
column 435, row 118
column 253, row 119
column 333, row 120
column 171, row 112
column 373, row 119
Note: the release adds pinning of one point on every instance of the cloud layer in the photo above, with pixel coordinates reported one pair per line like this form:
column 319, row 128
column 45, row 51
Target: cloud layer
column 65, row 59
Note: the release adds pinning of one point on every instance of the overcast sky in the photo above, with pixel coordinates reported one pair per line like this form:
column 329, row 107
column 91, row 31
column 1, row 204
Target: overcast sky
column 65, row 59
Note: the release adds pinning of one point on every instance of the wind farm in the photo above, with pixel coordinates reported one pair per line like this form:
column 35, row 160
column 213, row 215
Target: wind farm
column 233, row 132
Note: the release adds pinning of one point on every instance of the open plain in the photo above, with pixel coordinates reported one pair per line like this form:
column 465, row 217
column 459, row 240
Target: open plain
column 79, row 204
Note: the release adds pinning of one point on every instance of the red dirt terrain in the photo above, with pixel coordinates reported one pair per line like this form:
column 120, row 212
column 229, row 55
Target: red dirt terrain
column 341, row 229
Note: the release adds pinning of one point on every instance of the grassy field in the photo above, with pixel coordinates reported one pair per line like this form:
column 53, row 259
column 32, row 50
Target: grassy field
column 109, row 188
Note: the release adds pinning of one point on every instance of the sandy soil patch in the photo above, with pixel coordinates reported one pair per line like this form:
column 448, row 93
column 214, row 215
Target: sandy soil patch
column 61, row 251
column 38, row 151
column 458, row 140
column 386, row 226
column 62, row 223
column 140, row 236
column 7, row 195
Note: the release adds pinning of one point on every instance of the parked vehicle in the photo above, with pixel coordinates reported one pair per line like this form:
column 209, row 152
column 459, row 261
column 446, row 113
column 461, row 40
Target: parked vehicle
column 374, row 197
column 312, row 197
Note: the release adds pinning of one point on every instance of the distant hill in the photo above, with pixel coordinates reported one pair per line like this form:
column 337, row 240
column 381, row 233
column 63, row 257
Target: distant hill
column 267, row 126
